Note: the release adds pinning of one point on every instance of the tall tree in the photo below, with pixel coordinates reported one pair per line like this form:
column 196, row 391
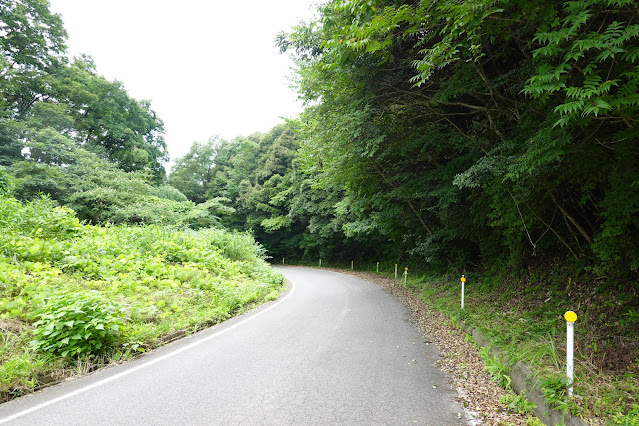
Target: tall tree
column 105, row 116
column 31, row 40
column 193, row 173
column 425, row 108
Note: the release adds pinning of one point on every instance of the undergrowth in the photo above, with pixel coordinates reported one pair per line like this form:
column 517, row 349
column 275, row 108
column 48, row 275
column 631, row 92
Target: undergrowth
column 522, row 314
column 524, row 318
column 75, row 297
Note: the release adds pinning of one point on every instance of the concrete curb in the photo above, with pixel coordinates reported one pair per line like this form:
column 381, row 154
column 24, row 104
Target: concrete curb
column 523, row 382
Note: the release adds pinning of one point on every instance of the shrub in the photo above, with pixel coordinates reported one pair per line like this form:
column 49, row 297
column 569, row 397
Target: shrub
column 235, row 245
column 76, row 325
column 38, row 217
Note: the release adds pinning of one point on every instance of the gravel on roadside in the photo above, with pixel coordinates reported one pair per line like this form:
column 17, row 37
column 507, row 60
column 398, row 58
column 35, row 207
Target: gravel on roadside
column 459, row 357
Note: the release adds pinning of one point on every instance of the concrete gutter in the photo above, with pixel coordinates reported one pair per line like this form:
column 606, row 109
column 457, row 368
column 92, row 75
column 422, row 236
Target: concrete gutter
column 524, row 382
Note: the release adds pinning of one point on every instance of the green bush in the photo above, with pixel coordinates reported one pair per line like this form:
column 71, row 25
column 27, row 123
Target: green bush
column 235, row 245
column 4, row 181
column 39, row 218
column 16, row 374
column 76, row 325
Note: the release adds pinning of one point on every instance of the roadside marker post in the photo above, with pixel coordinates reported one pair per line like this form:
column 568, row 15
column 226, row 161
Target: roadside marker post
column 396, row 271
column 378, row 267
column 463, row 281
column 320, row 262
column 405, row 276
column 352, row 264
column 570, row 317
column 283, row 260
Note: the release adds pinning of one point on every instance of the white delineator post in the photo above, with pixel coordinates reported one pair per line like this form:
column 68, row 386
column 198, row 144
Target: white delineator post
column 283, row 260
column 320, row 263
column 352, row 264
column 463, row 281
column 570, row 317
column 396, row 271
column 378, row 267
column 405, row 276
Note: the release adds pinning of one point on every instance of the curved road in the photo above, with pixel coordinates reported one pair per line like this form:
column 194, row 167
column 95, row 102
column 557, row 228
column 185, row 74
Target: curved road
column 333, row 349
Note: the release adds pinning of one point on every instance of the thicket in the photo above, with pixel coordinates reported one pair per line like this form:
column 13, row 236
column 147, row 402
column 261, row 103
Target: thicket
column 452, row 135
column 76, row 296
column 480, row 131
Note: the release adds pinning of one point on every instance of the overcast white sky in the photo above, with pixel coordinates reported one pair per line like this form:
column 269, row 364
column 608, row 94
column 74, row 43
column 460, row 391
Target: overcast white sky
column 209, row 67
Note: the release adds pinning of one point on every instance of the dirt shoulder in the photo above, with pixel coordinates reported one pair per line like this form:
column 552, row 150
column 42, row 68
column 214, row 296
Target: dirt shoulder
column 459, row 357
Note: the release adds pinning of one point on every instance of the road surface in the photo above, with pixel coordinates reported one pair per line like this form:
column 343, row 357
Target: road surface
column 332, row 350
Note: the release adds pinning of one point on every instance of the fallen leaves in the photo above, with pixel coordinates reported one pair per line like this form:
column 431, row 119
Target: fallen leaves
column 459, row 358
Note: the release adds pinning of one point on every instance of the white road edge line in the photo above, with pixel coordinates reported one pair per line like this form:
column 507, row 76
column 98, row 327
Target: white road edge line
column 146, row 364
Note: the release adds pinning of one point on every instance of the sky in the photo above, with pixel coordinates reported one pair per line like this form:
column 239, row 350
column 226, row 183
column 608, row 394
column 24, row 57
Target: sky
column 209, row 67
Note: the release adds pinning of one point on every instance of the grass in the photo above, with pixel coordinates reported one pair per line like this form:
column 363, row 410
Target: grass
column 526, row 323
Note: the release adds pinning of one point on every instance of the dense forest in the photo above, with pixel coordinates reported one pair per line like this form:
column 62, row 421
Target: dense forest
column 476, row 132
column 449, row 135
column 496, row 137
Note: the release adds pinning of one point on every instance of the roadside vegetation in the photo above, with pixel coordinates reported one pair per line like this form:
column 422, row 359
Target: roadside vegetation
column 76, row 297
column 497, row 138
column 531, row 329
column 523, row 318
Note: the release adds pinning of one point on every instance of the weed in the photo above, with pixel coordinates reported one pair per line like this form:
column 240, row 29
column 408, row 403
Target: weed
column 533, row 421
column 497, row 370
column 523, row 317
column 76, row 325
column 554, row 389
column 629, row 419
column 517, row 403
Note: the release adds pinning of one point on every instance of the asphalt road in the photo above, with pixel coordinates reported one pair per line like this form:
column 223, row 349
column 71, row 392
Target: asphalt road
column 332, row 350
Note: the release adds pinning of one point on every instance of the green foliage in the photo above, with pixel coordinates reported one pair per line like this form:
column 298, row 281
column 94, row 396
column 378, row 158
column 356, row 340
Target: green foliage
column 629, row 419
column 33, row 38
column 465, row 133
column 38, row 218
column 485, row 135
column 523, row 317
column 169, row 192
column 499, row 372
column 76, row 325
column 588, row 58
column 192, row 174
column 101, row 192
column 17, row 373
column 518, row 403
column 555, row 392
column 4, row 182
column 44, row 97
column 106, row 119
column 104, row 292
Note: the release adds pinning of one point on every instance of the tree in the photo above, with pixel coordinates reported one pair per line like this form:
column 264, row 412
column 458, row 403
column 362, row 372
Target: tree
column 128, row 131
column 31, row 39
column 424, row 110
column 193, row 173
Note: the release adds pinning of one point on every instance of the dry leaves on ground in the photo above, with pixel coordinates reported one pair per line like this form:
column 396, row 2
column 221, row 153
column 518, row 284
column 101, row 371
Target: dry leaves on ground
column 459, row 358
